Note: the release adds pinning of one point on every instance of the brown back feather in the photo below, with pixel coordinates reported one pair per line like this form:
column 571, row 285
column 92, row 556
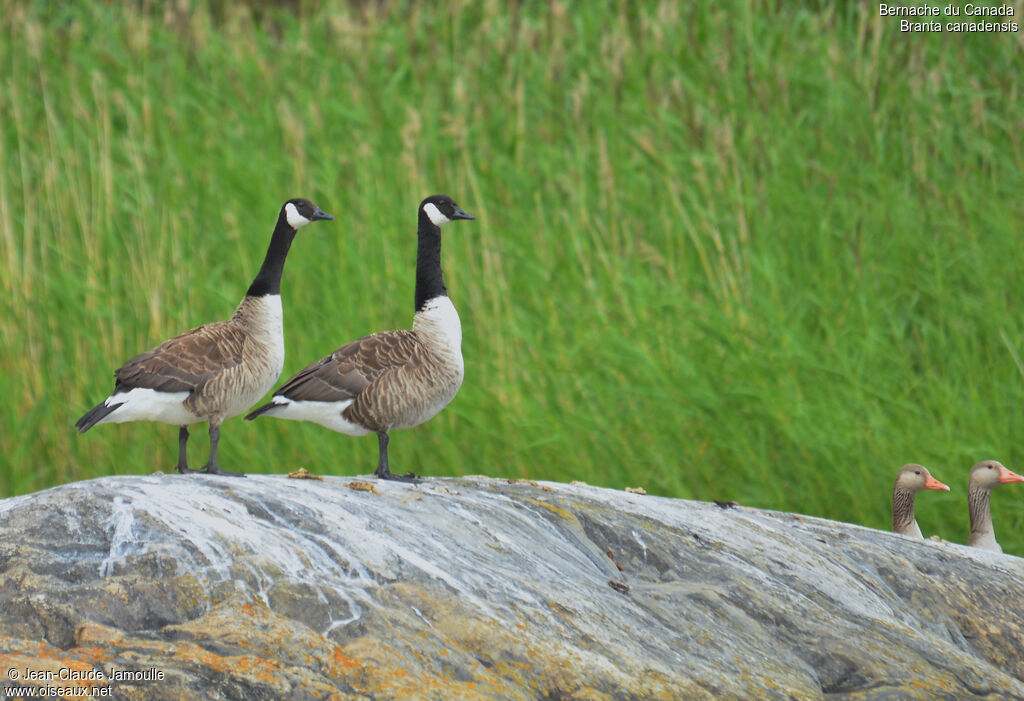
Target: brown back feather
column 187, row 362
column 347, row 371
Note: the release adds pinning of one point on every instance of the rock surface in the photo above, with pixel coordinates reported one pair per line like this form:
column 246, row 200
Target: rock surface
column 269, row 587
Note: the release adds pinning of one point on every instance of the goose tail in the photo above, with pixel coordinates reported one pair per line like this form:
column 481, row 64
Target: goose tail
column 94, row 416
column 269, row 406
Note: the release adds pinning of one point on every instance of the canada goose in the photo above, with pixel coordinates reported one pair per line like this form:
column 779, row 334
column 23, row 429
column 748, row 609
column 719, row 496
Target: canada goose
column 910, row 480
column 217, row 370
column 985, row 476
column 391, row 379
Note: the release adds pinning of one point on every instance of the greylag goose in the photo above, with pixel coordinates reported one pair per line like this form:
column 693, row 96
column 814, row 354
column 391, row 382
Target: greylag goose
column 910, row 480
column 985, row 476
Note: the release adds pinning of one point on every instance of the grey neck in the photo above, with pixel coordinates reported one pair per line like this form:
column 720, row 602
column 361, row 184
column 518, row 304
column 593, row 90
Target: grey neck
column 981, row 512
column 903, row 511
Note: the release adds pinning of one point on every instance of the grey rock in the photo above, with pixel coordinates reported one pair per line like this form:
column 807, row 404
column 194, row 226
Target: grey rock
column 268, row 587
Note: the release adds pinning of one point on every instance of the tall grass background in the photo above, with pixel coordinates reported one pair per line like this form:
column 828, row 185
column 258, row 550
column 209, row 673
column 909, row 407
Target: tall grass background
column 754, row 251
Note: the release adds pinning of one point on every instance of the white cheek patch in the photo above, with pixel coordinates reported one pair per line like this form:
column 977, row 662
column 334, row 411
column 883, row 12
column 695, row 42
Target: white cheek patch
column 295, row 220
column 434, row 214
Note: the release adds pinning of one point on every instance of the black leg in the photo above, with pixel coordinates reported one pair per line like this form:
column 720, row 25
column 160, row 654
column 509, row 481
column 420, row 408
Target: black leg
column 211, row 467
column 383, row 471
column 182, row 465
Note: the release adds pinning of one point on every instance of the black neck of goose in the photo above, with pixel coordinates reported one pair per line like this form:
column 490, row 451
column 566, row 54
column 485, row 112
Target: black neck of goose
column 902, row 509
column 429, row 279
column 268, row 279
column 980, row 510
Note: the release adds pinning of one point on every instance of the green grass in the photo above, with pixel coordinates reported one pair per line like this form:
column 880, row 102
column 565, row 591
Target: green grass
column 721, row 251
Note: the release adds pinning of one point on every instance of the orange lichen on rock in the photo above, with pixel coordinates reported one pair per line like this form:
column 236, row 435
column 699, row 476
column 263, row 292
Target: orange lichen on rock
column 41, row 663
column 363, row 487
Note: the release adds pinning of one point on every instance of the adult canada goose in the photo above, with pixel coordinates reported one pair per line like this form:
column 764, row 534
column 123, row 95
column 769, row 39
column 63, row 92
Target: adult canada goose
column 390, row 379
column 217, row 370
column 985, row 476
column 910, row 480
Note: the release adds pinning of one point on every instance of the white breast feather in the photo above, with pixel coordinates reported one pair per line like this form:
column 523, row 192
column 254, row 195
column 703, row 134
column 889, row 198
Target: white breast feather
column 266, row 324
column 438, row 325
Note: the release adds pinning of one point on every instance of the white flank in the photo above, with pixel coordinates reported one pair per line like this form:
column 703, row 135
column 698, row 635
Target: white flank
column 327, row 414
column 296, row 220
column 143, row 404
column 434, row 214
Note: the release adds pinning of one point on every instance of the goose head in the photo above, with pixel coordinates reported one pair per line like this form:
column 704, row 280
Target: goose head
column 914, row 478
column 910, row 480
column 299, row 211
column 989, row 474
column 441, row 209
column 985, row 476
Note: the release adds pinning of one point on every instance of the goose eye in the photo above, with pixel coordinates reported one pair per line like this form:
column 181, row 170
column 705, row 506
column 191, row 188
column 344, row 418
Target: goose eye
column 917, row 472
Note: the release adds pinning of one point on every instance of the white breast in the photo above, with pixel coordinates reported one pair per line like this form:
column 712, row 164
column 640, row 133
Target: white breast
column 440, row 329
column 266, row 324
column 237, row 388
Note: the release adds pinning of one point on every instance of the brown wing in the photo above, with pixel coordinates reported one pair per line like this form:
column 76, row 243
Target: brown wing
column 186, row 362
column 345, row 372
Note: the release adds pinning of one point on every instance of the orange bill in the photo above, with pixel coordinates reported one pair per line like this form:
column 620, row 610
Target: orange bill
column 933, row 483
column 1006, row 476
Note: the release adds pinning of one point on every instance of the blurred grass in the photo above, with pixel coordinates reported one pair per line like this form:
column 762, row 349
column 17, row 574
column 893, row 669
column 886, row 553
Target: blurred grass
column 757, row 252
